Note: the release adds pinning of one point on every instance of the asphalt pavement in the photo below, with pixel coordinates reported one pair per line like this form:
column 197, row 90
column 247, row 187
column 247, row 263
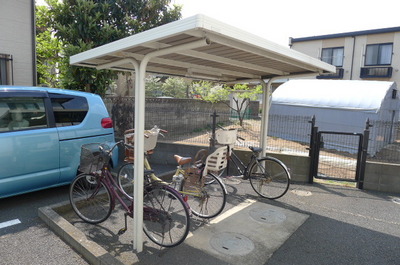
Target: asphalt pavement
column 311, row 224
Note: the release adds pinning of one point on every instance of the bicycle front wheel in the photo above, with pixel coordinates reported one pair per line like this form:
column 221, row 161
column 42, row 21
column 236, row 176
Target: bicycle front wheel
column 90, row 198
column 125, row 179
column 165, row 216
column 269, row 178
column 208, row 200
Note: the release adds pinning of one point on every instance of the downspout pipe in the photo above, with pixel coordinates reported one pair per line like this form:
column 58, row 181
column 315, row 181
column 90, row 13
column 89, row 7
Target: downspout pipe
column 352, row 58
column 34, row 68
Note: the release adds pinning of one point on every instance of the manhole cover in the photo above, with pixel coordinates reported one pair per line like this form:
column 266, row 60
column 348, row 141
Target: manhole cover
column 231, row 244
column 396, row 200
column 302, row 192
column 233, row 180
column 269, row 216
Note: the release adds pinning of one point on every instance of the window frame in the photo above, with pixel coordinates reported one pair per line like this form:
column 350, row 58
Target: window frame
column 32, row 95
column 73, row 116
column 6, row 69
column 331, row 55
column 378, row 57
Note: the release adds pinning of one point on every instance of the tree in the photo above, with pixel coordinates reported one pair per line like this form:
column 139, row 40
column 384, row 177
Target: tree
column 48, row 50
column 153, row 86
column 85, row 24
column 175, row 87
column 241, row 95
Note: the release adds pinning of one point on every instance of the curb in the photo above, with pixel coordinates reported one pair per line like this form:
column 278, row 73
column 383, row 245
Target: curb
column 90, row 250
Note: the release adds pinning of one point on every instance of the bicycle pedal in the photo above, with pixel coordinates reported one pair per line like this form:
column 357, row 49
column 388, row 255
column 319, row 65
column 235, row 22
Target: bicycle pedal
column 121, row 231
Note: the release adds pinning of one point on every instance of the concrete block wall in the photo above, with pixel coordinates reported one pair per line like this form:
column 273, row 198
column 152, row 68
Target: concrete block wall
column 383, row 177
column 298, row 165
column 169, row 113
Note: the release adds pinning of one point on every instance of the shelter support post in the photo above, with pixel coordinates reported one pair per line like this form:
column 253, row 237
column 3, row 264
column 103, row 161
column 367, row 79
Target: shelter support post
column 267, row 100
column 139, row 135
column 267, row 88
column 264, row 117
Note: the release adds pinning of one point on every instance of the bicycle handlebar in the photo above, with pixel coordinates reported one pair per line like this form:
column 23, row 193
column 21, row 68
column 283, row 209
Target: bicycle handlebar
column 155, row 128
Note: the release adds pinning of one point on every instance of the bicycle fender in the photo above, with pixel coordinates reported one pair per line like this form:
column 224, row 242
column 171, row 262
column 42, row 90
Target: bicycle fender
column 223, row 184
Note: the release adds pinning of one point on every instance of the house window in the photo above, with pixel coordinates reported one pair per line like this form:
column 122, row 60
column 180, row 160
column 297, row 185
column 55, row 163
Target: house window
column 333, row 56
column 5, row 69
column 379, row 54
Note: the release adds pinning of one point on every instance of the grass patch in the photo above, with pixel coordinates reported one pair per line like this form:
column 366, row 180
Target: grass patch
column 336, row 182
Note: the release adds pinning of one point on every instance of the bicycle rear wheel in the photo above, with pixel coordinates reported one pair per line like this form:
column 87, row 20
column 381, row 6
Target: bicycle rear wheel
column 90, row 199
column 125, row 179
column 208, row 200
column 269, row 178
column 165, row 216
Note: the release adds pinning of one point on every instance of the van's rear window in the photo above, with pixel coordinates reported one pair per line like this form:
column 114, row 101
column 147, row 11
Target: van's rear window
column 68, row 110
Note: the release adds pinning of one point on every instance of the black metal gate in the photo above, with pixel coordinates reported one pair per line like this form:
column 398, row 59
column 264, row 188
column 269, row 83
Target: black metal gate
column 338, row 156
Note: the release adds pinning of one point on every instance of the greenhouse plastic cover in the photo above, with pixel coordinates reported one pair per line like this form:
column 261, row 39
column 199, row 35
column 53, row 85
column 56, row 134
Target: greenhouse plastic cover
column 338, row 94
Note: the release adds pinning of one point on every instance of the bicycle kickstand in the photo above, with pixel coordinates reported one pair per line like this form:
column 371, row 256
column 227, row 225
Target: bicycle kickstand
column 123, row 230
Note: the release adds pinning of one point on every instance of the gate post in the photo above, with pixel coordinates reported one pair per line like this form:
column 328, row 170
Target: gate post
column 363, row 158
column 213, row 128
column 312, row 150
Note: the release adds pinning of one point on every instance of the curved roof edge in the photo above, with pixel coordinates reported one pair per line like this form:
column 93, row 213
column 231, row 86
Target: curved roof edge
column 334, row 94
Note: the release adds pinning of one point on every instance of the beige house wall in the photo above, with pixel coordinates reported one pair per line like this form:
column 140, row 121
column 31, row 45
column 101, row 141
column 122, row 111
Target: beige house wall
column 354, row 52
column 16, row 39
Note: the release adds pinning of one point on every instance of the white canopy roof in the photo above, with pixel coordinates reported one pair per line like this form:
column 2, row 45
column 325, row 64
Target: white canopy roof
column 218, row 52
column 199, row 47
column 338, row 94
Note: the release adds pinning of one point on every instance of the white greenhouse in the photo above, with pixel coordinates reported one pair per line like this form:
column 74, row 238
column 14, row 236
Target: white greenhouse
column 339, row 106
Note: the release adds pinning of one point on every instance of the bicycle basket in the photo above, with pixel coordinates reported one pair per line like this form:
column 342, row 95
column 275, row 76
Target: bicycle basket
column 150, row 140
column 226, row 137
column 92, row 158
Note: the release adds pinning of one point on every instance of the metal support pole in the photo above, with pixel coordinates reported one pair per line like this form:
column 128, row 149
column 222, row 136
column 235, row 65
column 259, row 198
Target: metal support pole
column 139, row 136
column 364, row 152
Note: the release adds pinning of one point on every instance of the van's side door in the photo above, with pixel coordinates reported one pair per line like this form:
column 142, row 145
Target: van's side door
column 29, row 146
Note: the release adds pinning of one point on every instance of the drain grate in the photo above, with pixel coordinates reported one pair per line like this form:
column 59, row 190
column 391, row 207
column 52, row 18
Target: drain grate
column 269, row 216
column 303, row 193
column 396, row 200
column 231, row 244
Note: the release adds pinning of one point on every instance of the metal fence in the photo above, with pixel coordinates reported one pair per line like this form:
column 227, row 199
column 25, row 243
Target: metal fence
column 296, row 140
column 189, row 121
column 249, row 130
column 387, row 141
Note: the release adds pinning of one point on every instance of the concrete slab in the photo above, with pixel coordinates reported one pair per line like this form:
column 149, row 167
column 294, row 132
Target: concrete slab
column 258, row 227
column 248, row 233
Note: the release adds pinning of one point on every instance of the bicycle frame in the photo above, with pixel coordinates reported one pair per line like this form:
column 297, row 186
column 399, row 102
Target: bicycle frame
column 179, row 170
column 109, row 181
column 106, row 177
column 240, row 166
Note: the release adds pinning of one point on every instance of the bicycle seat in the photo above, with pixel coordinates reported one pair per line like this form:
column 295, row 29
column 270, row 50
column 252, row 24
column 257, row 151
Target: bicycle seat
column 255, row 149
column 182, row 160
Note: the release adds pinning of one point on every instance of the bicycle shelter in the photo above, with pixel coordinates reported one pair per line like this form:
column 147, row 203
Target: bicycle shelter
column 198, row 47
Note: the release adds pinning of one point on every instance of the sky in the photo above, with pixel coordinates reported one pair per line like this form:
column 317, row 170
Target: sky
column 277, row 20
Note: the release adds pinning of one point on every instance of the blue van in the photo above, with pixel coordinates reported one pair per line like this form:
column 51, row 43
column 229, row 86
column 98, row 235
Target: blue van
column 41, row 133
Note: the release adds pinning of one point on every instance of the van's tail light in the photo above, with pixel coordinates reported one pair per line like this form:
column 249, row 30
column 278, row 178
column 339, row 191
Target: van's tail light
column 106, row 123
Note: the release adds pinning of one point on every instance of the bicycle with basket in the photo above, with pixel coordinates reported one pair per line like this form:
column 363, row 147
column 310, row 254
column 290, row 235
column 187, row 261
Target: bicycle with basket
column 191, row 179
column 93, row 195
column 269, row 177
